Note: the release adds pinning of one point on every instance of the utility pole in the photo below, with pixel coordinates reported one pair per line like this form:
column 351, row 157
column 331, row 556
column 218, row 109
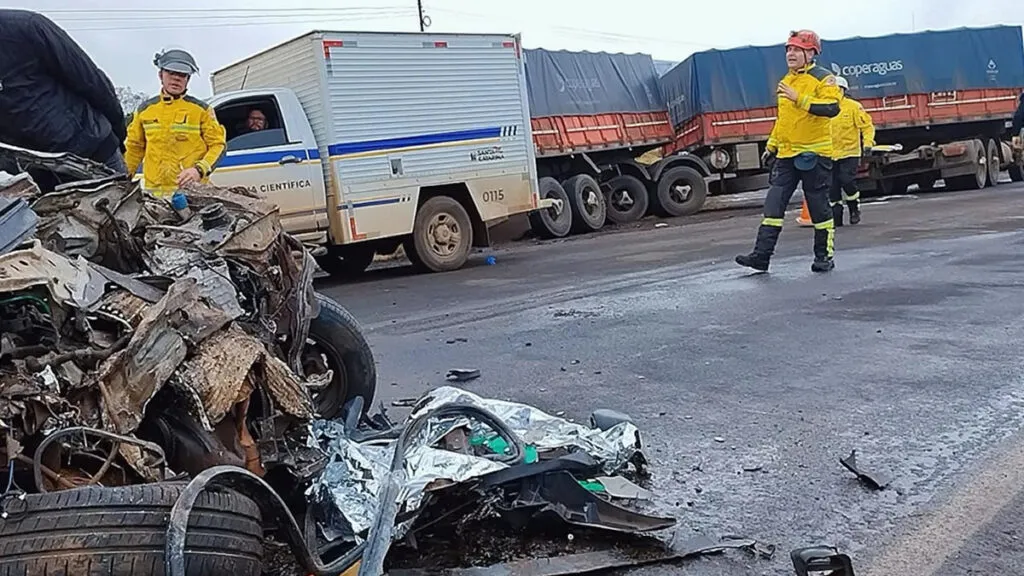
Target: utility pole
column 419, row 8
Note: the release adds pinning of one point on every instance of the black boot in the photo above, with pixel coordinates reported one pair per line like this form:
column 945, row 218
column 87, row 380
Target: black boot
column 764, row 247
column 822, row 265
column 854, row 212
column 823, row 249
column 837, row 215
column 755, row 260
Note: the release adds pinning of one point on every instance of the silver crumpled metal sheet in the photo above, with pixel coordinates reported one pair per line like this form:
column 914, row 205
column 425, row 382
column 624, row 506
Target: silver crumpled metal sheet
column 613, row 448
column 356, row 472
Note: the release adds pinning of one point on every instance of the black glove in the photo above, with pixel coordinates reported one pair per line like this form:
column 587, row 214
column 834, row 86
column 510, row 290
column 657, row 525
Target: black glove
column 768, row 158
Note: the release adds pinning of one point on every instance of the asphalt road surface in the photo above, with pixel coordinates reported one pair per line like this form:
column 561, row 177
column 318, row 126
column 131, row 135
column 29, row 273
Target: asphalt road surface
column 909, row 352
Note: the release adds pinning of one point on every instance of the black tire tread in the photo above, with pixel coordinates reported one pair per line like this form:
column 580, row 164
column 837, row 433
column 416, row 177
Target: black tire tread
column 581, row 222
column 992, row 153
column 537, row 220
column 1016, row 172
column 120, row 531
column 336, row 324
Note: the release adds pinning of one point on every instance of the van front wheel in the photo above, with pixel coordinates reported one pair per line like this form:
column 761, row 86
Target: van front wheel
column 442, row 235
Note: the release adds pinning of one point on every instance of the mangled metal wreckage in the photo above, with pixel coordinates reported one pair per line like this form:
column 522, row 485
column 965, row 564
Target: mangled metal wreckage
column 164, row 363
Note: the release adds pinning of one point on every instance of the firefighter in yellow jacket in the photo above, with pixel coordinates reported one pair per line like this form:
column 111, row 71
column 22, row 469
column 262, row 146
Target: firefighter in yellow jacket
column 799, row 151
column 175, row 137
column 852, row 131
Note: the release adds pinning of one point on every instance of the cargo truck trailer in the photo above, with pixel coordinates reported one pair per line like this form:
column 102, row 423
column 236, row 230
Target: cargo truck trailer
column 946, row 97
column 593, row 114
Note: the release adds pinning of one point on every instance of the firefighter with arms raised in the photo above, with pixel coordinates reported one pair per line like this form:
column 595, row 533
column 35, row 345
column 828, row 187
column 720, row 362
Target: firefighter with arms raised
column 799, row 151
column 176, row 137
column 852, row 132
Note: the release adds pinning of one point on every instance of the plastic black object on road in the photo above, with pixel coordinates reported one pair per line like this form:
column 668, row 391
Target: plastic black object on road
column 821, row 559
column 604, row 419
column 871, row 478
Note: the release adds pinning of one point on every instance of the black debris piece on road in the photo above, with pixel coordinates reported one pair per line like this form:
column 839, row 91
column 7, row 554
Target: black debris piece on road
column 818, row 559
column 871, row 478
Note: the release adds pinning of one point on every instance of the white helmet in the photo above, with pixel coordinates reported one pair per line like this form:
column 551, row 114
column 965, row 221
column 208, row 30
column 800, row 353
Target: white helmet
column 842, row 83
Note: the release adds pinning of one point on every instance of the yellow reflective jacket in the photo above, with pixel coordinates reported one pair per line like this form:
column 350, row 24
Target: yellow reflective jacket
column 852, row 124
column 806, row 125
column 169, row 134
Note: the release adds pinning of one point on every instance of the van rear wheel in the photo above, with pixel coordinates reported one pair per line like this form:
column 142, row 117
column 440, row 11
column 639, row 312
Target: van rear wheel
column 442, row 235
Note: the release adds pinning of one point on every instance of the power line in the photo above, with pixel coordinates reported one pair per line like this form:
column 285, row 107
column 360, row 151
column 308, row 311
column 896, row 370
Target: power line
column 593, row 34
column 181, row 12
column 241, row 18
column 184, row 26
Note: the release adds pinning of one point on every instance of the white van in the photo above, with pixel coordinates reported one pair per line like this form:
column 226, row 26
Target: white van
column 376, row 140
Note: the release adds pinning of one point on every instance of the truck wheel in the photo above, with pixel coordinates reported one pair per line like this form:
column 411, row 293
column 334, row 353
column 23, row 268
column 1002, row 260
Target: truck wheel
column 336, row 342
column 993, row 160
column 587, row 203
column 348, row 262
column 979, row 178
column 894, row 186
column 121, row 531
column 681, row 192
column 442, row 235
column 1016, row 172
column 626, row 198
column 552, row 223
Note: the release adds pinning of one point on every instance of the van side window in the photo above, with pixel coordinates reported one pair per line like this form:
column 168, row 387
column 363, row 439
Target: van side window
column 252, row 123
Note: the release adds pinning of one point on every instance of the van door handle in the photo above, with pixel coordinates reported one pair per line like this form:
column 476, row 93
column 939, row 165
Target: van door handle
column 289, row 159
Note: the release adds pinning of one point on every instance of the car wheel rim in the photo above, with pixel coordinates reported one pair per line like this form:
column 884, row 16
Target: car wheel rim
column 444, row 235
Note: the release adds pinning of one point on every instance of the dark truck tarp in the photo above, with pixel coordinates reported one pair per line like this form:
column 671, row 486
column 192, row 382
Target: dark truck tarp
column 745, row 78
column 562, row 83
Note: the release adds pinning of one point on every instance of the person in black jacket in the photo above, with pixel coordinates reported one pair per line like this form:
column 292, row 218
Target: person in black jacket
column 53, row 97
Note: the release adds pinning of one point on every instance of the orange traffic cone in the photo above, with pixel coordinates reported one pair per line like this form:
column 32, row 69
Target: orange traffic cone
column 804, row 219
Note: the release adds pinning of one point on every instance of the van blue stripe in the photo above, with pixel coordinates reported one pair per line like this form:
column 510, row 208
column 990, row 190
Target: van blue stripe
column 251, row 158
column 380, row 202
column 407, row 141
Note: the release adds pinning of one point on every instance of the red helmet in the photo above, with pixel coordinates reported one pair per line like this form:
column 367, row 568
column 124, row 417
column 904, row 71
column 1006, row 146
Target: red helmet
column 805, row 40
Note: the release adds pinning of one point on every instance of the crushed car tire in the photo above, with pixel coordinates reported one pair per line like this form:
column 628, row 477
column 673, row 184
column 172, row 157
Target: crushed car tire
column 337, row 335
column 121, row 531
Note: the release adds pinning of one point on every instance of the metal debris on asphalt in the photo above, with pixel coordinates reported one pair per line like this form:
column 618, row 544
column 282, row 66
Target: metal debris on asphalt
column 462, row 374
column 871, row 478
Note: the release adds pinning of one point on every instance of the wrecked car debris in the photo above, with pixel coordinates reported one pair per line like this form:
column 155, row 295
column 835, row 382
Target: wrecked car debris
column 137, row 346
column 459, row 451
column 871, row 478
column 352, row 479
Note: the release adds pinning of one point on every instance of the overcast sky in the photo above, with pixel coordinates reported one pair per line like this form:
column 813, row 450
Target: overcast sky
column 122, row 35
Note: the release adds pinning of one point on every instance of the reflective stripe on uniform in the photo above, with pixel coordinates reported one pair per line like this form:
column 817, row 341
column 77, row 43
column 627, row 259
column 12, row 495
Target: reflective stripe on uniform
column 830, row 235
column 777, row 222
